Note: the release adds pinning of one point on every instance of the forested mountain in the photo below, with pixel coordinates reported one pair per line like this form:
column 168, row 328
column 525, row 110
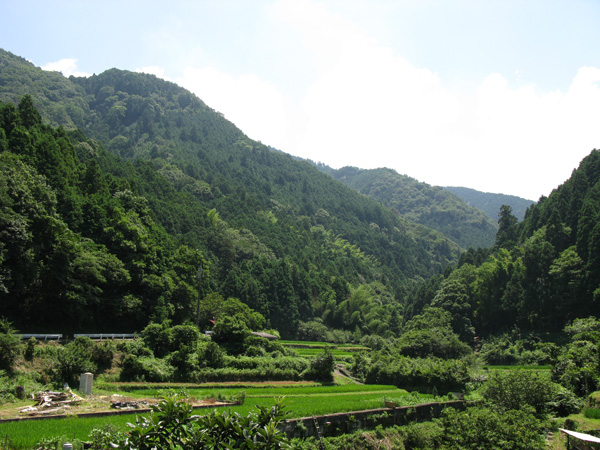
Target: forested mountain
column 108, row 217
column 117, row 187
column 541, row 273
column 419, row 202
column 491, row 203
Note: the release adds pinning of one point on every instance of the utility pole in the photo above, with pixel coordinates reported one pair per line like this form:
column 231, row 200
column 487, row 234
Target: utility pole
column 199, row 296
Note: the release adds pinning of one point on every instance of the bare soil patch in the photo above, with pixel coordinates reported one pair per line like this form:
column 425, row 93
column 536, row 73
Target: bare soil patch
column 92, row 404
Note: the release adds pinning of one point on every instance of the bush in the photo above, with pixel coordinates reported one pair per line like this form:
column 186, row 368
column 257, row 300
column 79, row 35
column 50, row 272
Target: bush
column 515, row 389
column 136, row 347
column 144, row 368
column 422, row 374
column 185, row 338
column 422, row 435
column 479, row 428
column 30, row 349
column 564, row 402
column 9, row 345
column 210, row 355
column 102, row 354
column 321, row 367
column 577, row 368
column 437, row 342
column 230, row 332
column 158, row 338
column 312, row 330
column 105, row 437
column 173, row 426
column 72, row 360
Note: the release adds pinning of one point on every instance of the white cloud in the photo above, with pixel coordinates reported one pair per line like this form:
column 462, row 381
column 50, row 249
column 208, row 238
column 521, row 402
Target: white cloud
column 153, row 70
column 370, row 108
column 254, row 105
column 67, row 66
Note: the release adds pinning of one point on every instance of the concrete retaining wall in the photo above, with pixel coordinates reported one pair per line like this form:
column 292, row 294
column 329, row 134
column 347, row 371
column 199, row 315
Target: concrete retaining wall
column 348, row 422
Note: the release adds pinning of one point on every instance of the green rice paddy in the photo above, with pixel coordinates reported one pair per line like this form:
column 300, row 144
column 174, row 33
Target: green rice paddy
column 302, row 401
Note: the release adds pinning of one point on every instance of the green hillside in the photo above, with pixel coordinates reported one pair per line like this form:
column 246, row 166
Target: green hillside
column 491, row 203
column 542, row 273
column 149, row 181
column 431, row 206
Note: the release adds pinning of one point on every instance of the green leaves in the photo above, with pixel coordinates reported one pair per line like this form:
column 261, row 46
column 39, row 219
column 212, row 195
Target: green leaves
column 172, row 426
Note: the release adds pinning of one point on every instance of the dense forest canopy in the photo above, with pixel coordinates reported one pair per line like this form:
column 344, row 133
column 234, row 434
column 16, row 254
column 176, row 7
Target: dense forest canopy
column 431, row 206
column 491, row 203
column 287, row 240
column 117, row 187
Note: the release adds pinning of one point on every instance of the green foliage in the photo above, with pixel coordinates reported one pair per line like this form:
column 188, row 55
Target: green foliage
column 480, row 428
column 231, row 332
column 72, row 360
column 430, row 334
column 591, row 413
column 516, row 389
column 434, row 207
column 158, row 338
column 9, row 345
column 172, row 426
column 30, row 348
column 507, row 228
column 105, row 437
column 321, row 367
column 577, row 368
column 312, row 330
column 516, row 349
column 491, row 203
column 423, row 374
column 146, row 368
column 271, row 231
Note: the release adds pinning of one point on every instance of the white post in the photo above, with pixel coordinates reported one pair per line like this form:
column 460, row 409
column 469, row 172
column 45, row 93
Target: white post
column 86, row 381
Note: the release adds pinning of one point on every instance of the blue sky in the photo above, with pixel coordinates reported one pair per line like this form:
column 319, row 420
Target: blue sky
column 500, row 96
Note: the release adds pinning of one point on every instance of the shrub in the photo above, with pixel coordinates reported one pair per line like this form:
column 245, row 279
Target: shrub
column 105, row 437
column 231, row 332
column 312, row 330
column 422, row 435
column 577, row 368
column 72, row 360
column 102, row 354
column 511, row 390
column 422, row 374
column 173, row 426
column 30, row 348
column 158, row 338
column 145, row 368
column 321, row 367
column 136, row 347
column 565, row 402
column 9, row 345
column 210, row 355
column 479, row 428
column 592, row 413
column 184, row 338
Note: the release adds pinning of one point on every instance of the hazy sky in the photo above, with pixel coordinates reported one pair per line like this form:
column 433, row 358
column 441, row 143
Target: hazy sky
column 500, row 96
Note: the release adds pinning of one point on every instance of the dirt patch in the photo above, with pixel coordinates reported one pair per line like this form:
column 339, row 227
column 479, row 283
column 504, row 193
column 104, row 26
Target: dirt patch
column 92, row 405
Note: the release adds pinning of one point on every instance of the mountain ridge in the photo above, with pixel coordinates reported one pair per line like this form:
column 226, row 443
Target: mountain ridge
column 287, row 240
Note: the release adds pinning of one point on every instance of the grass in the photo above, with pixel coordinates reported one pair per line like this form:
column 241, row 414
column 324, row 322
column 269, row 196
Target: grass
column 303, row 401
column 591, row 413
column 314, row 351
column 25, row 434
